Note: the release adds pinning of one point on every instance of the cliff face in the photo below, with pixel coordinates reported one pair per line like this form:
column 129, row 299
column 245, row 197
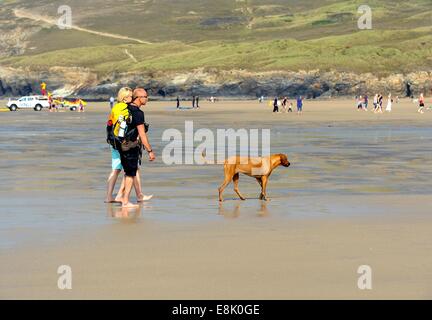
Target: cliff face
column 235, row 84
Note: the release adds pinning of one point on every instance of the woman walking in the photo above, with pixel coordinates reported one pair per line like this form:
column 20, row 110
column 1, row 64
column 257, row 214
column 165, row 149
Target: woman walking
column 380, row 103
column 389, row 103
column 421, row 103
column 375, row 102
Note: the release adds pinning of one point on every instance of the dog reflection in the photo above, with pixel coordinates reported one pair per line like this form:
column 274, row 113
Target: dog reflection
column 235, row 213
column 263, row 211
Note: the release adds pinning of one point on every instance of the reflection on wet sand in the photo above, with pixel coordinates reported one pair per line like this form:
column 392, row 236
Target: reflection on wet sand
column 130, row 214
column 262, row 210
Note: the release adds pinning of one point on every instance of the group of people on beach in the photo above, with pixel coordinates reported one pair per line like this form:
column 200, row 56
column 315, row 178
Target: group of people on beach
column 126, row 116
column 195, row 102
column 284, row 105
column 378, row 100
column 363, row 101
column 55, row 103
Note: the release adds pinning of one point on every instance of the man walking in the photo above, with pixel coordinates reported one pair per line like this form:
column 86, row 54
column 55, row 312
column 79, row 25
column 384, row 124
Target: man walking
column 131, row 157
column 299, row 105
column 275, row 105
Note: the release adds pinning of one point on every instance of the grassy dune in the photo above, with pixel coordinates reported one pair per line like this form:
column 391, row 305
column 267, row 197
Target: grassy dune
column 364, row 51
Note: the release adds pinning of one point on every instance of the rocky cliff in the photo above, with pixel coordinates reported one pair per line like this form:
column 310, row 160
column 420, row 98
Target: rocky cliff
column 208, row 82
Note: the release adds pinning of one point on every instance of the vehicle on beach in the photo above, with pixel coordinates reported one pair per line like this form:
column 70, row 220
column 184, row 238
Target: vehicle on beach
column 72, row 105
column 36, row 103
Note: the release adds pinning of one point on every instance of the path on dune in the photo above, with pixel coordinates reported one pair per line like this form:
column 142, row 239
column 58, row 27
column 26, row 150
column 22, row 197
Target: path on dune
column 20, row 13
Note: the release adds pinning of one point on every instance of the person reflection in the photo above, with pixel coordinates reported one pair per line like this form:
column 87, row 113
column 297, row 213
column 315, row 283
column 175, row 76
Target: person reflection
column 120, row 212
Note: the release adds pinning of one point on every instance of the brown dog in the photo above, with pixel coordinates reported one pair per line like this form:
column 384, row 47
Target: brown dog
column 260, row 168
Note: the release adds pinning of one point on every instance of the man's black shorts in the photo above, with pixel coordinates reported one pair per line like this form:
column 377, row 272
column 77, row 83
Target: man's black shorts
column 129, row 160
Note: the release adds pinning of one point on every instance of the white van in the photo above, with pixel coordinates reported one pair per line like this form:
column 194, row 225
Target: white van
column 29, row 102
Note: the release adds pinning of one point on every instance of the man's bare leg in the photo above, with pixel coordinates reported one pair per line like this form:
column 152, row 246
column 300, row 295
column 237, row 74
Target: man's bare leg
column 127, row 190
column 121, row 191
column 137, row 185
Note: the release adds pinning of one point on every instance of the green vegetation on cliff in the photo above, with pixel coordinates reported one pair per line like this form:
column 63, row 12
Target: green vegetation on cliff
column 255, row 35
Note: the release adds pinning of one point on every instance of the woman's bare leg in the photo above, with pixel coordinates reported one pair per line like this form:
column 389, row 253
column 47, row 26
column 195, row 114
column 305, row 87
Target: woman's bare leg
column 121, row 191
column 112, row 179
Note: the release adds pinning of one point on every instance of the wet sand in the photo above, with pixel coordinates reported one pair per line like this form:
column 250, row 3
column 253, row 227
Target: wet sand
column 357, row 193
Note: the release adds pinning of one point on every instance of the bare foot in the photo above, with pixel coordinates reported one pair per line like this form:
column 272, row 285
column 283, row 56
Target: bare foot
column 129, row 205
column 109, row 200
column 144, row 198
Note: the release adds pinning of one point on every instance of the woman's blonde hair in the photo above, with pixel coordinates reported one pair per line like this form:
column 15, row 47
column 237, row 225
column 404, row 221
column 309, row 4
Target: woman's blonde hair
column 123, row 93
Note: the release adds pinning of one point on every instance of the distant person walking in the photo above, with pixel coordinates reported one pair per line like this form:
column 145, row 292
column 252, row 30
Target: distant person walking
column 421, row 103
column 299, row 105
column 275, row 105
column 50, row 102
column 285, row 104
column 359, row 103
column 111, row 101
column 178, row 102
column 197, row 102
column 193, row 102
column 365, row 102
column 379, row 104
column 375, row 102
column 389, row 103
column 290, row 107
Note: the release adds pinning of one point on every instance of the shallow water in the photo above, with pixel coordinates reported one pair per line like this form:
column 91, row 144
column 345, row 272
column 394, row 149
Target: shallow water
column 54, row 168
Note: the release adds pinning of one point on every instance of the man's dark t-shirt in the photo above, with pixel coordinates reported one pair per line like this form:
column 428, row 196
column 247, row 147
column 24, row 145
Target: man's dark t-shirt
column 131, row 158
column 137, row 116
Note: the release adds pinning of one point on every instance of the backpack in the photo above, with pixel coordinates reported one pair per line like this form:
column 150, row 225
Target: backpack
column 117, row 125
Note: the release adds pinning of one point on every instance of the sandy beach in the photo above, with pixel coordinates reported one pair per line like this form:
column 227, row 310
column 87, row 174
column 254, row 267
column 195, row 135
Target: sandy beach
column 357, row 193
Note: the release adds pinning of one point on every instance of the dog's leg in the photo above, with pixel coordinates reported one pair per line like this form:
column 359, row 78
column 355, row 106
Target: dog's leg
column 264, row 180
column 228, row 178
column 260, row 183
column 236, row 189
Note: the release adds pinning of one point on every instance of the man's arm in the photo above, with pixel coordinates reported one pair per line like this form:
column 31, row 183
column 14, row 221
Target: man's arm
column 145, row 142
